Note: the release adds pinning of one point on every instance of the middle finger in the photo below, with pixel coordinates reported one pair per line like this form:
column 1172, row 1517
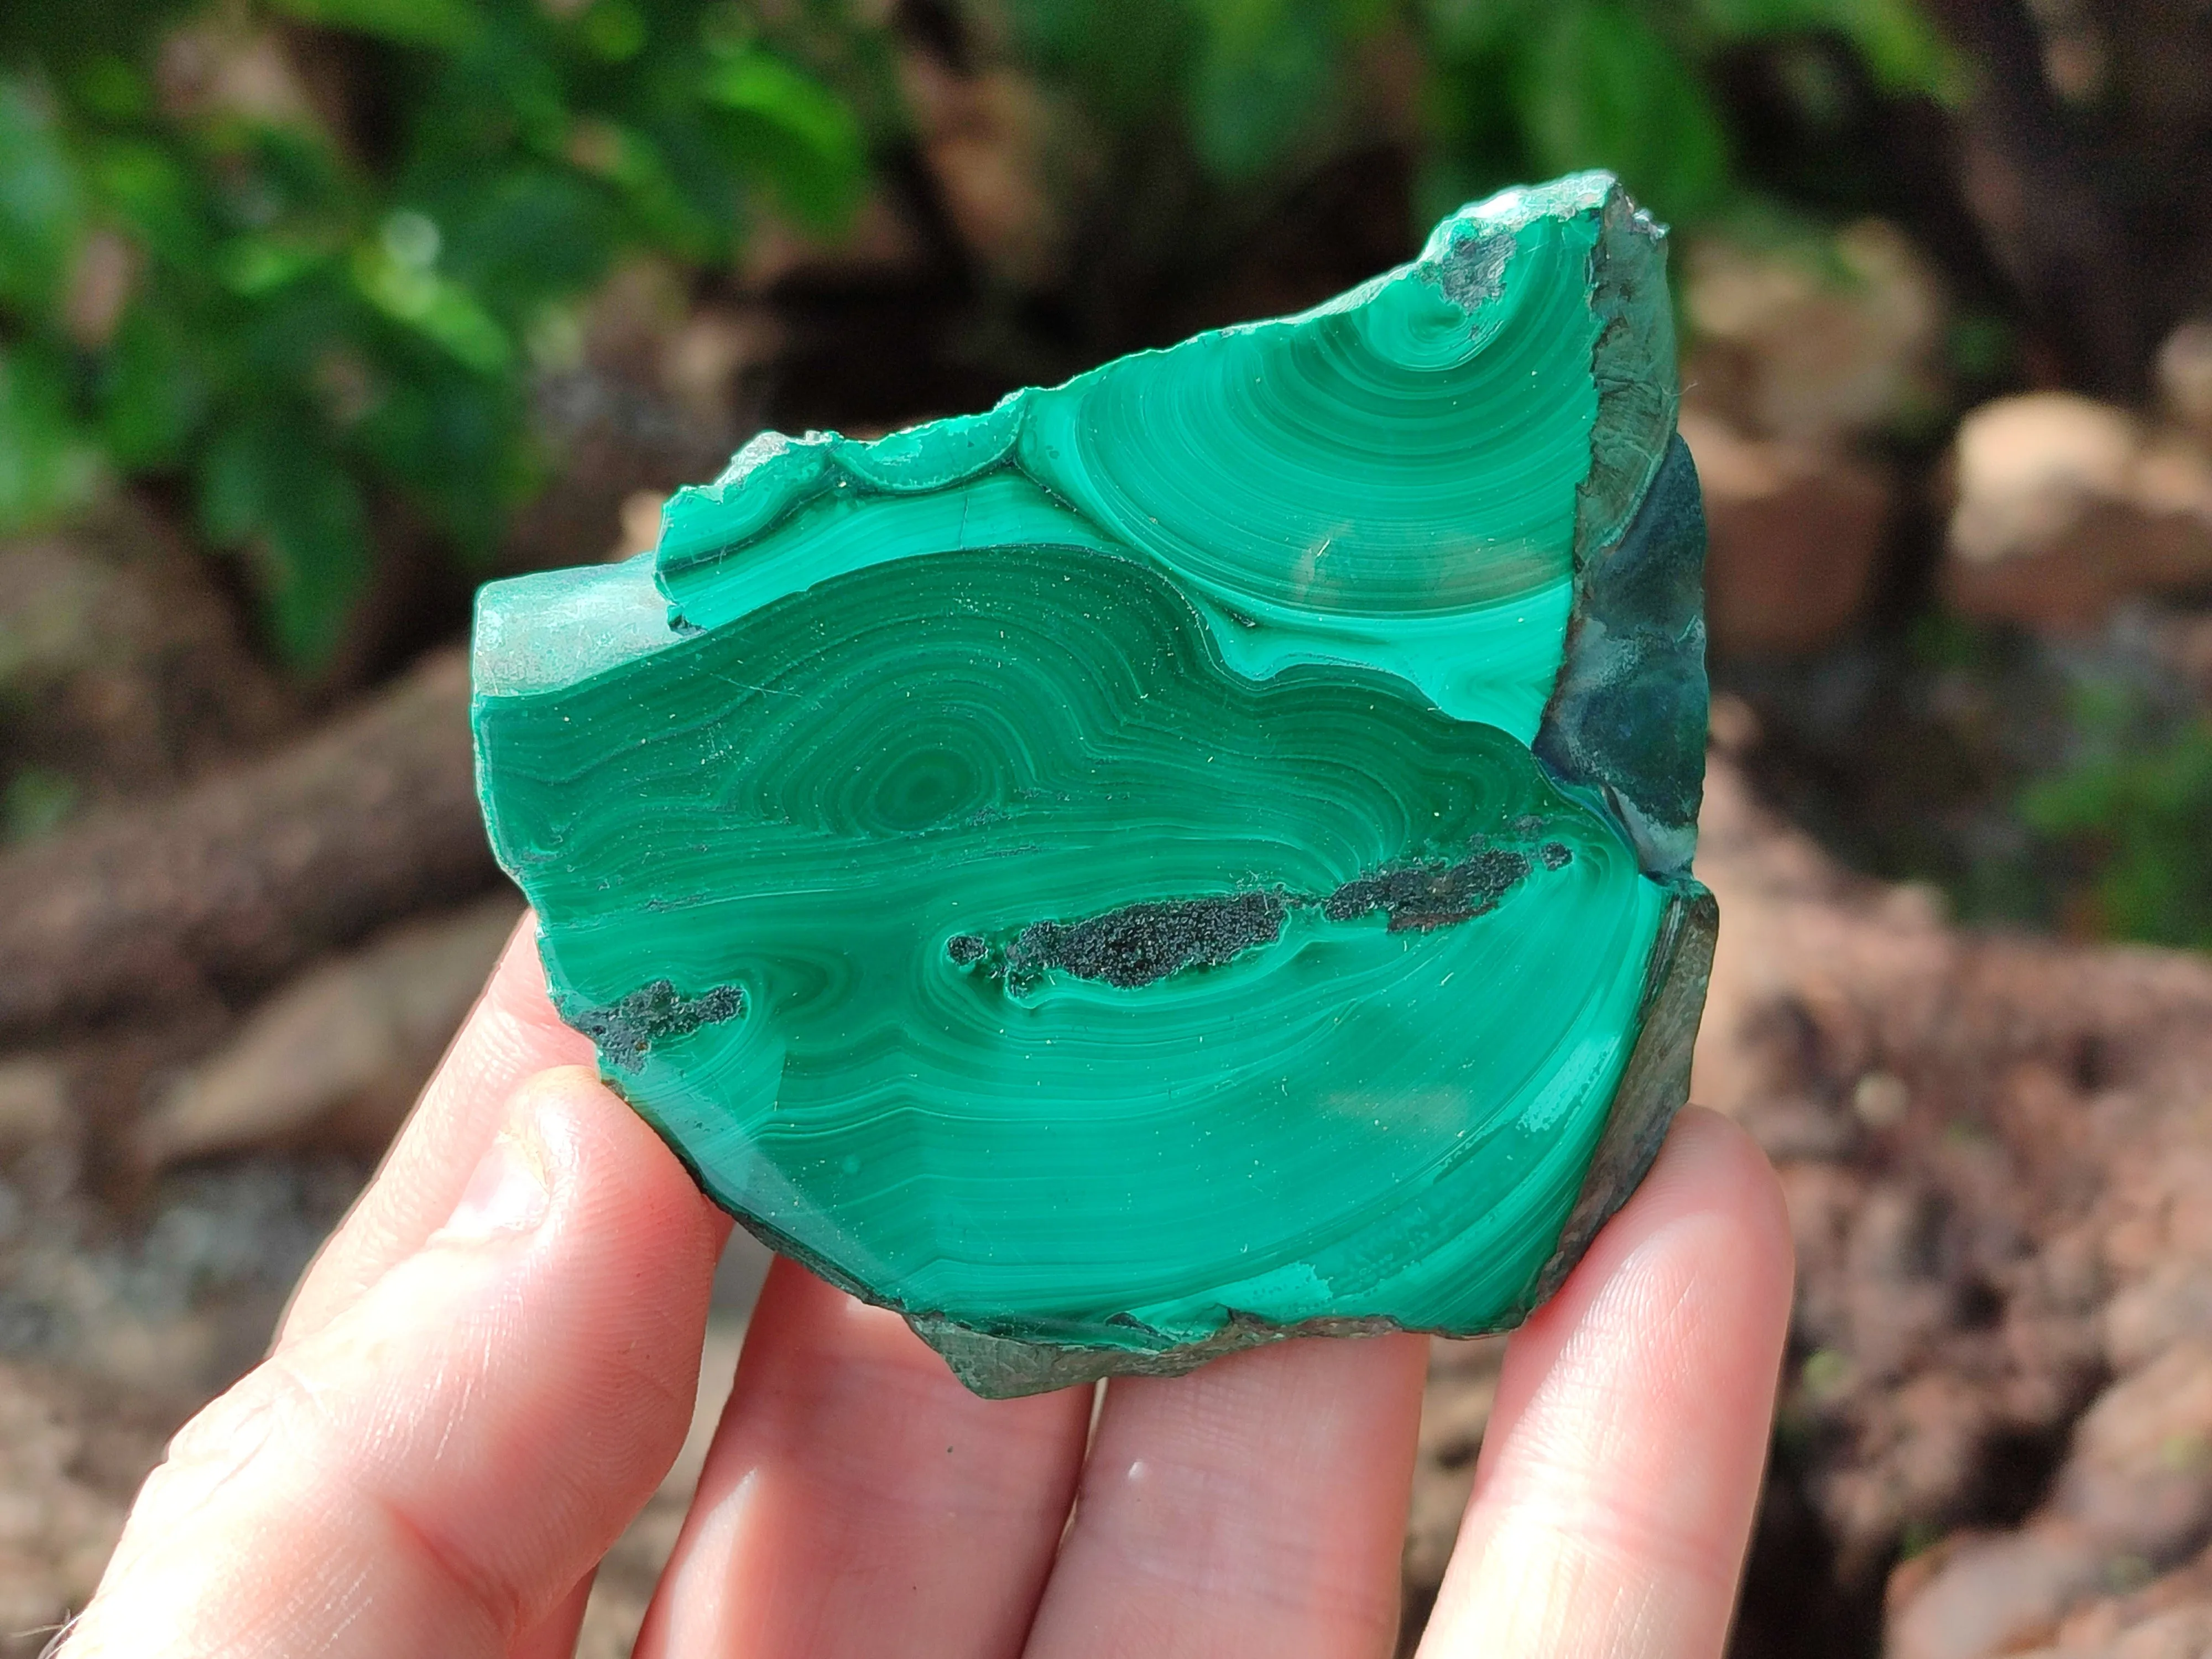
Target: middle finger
column 1256, row 1507
column 857, row 1500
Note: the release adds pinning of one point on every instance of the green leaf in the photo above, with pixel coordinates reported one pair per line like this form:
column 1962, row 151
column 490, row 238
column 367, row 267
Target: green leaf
column 37, row 801
column 1127, row 60
column 1597, row 86
column 148, row 187
column 315, row 324
column 795, row 130
column 269, row 489
column 438, row 308
column 110, row 86
column 1468, row 28
column 455, row 445
column 154, row 393
column 2139, row 820
column 614, row 30
column 67, row 37
column 256, row 267
column 527, row 235
column 1267, row 75
column 48, row 465
column 638, row 171
column 315, row 565
column 442, row 23
column 41, row 207
column 1899, row 45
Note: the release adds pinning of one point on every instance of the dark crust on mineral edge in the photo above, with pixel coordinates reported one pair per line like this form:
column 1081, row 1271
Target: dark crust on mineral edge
column 1627, row 717
column 1006, row 1368
column 1653, row 1084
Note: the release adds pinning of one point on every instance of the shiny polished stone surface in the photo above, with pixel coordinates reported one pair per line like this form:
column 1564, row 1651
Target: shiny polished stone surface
column 1191, row 855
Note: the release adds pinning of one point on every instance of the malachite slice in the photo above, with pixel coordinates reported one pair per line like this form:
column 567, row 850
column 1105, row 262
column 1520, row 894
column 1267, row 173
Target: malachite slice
column 1194, row 856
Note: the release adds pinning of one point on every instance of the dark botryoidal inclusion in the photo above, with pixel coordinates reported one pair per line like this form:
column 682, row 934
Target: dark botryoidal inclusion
column 624, row 1031
column 1188, row 857
column 1438, row 895
column 1138, row 944
column 1135, row 945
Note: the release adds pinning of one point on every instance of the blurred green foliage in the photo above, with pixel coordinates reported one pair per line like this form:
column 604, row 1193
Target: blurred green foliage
column 2047, row 784
column 299, row 259
column 2134, row 821
column 215, row 269
column 1509, row 89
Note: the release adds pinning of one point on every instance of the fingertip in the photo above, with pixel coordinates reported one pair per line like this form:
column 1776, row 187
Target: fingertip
column 518, row 977
column 1710, row 1161
column 1255, row 1505
column 614, row 1176
column 511, row 1033
column 1711, row 1170
column 1711, row 1198
column 570, row 1081
column 1709, row 1173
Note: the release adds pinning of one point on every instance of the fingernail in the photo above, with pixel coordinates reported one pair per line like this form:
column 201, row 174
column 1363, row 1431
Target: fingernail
column 505, row 1192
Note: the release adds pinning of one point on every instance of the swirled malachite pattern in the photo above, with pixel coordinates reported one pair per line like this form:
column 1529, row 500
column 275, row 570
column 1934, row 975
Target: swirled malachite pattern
column 1192, row 856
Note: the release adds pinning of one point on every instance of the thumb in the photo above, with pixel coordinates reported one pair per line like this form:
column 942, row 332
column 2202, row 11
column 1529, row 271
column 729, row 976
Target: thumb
column 436, row 1467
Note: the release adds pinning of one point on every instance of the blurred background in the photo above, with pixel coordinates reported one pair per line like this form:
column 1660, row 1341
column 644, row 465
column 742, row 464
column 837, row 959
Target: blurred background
column 315, row 314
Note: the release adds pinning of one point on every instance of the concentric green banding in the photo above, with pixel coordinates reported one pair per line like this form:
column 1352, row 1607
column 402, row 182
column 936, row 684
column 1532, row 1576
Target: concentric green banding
column 1387, row 480
column 1254, row 635
column 968, row 743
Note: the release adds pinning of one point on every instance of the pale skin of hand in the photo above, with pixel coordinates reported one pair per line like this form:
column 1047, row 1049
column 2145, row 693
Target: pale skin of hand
column 488, row 1370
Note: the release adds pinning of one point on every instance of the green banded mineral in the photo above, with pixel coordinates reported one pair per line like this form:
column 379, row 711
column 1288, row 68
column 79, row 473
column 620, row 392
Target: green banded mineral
column 1194, row 856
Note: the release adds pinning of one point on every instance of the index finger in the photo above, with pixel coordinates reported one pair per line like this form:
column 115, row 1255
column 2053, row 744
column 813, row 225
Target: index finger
column 511, row 1033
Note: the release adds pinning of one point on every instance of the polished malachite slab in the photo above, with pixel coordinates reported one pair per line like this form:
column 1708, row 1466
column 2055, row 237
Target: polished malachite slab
column 1194, row 854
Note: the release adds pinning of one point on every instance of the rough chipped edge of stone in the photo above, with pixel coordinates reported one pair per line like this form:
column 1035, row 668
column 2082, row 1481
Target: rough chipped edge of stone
column 1632, row 441
column 1653, row 1085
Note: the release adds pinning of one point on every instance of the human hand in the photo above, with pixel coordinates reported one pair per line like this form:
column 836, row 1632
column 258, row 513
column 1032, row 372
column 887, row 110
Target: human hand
column 488, row 1370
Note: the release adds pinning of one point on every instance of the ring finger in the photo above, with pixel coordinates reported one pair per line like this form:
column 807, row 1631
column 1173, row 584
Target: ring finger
column 857, row 1500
